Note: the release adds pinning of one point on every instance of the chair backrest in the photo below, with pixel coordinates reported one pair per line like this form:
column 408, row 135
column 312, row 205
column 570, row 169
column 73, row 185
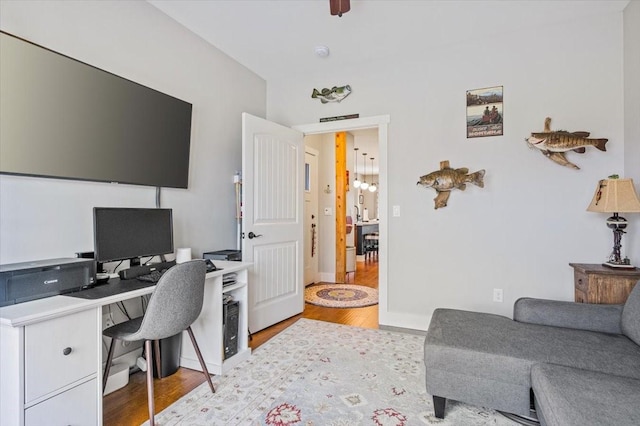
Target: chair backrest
column 630, row 322
column 175, row 303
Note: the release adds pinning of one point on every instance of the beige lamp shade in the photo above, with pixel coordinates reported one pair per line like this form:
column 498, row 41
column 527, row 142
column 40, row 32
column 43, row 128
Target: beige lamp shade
column 615, row 196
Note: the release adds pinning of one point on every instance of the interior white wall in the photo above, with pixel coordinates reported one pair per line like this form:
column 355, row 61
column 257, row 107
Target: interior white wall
column 327, row 223
column 47, row 218
column 631, row 119
column 522, row 229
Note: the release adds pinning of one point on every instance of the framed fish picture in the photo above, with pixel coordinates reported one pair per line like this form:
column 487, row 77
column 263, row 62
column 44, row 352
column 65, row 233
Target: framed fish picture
column 485, row 115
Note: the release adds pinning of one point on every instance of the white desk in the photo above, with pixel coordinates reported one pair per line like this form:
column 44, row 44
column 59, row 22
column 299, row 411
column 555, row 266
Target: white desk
column 41, row 382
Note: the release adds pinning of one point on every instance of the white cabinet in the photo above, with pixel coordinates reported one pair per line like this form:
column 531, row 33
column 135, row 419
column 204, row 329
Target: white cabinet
column 49, row 371
column 208, row 328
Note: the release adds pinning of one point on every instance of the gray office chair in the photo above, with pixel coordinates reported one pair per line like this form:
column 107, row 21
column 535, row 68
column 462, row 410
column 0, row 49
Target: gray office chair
column 174, row 305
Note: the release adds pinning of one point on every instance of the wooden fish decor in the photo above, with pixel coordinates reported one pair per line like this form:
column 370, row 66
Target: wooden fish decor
column 335, row 94
column 553, row 145
column 446, row 179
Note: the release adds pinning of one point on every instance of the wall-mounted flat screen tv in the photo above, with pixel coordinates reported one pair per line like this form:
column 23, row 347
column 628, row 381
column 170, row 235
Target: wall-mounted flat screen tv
column 62, row 118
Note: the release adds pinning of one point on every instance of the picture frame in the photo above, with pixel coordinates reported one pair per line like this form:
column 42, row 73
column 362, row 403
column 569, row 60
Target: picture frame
column 485, row 112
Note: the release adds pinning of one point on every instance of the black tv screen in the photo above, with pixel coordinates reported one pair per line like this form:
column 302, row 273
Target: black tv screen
column 131, row 233
column 62, row 118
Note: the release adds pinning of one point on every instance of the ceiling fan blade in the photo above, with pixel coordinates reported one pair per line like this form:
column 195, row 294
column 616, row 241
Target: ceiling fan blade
column 338, row 7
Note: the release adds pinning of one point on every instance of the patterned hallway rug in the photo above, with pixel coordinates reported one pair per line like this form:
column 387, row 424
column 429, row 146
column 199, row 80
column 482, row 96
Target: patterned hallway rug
column 341, row 295
column 317, row 373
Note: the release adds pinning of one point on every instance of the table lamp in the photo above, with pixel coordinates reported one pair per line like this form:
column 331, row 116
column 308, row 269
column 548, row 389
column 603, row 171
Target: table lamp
column 615, row 196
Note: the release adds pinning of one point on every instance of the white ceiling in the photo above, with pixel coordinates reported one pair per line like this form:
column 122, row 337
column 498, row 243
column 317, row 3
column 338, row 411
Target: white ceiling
column 274, row 38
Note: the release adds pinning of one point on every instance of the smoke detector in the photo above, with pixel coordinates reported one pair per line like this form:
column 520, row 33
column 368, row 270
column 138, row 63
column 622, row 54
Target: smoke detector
column 321, row 51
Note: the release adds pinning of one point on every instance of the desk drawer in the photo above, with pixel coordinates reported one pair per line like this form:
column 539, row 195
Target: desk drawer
column 77, row 406
column 59, row 352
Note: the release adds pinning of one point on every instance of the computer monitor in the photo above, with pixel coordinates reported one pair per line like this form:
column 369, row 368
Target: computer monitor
column 131, row 233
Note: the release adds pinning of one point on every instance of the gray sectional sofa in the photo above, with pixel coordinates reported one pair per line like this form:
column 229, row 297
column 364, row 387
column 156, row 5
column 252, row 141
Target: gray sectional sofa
column 581, row 362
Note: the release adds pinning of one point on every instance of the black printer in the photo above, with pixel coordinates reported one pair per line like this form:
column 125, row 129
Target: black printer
column 21, row 282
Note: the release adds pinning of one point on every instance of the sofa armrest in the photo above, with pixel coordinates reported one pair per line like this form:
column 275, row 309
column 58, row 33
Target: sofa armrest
column 580, row 316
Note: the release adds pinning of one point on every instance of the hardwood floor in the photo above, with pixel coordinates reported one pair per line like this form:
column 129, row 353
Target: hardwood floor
column 128, row 406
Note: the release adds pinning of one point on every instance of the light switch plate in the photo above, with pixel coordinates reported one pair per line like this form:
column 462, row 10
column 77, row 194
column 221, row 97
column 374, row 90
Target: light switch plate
column 328, row 211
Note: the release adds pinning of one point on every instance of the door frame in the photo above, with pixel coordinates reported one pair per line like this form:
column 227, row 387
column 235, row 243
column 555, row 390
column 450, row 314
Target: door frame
column 381, row 122
column 306, row 221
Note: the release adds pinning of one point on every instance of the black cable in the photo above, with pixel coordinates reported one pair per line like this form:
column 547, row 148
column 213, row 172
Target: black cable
column 123, row 309
column 117, row 266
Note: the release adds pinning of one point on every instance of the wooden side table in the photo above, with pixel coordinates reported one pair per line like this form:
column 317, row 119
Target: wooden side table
column 595, row 283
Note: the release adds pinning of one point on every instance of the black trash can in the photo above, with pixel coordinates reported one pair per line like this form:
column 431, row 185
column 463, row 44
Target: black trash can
column 169, row 356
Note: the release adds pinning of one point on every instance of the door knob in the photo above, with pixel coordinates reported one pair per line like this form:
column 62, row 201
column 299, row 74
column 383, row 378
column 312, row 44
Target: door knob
column 252, row 235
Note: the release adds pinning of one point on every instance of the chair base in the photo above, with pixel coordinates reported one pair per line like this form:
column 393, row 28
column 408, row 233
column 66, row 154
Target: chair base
column 150, row 360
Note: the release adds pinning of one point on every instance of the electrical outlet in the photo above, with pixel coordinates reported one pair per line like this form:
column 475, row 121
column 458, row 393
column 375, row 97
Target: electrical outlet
column 497, row 295
column 107, row 321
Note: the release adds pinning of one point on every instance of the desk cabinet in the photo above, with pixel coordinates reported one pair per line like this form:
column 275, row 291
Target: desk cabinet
column 595, row 283
column 49, row 371
column 209, row 327
column 51, row 354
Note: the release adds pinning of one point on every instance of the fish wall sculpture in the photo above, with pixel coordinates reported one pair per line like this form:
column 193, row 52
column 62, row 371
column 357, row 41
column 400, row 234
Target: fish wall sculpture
column 446, row 179
column 554, row 145
column 335, row 94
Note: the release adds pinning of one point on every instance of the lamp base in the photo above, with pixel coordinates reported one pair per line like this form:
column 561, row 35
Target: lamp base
column 618, row 265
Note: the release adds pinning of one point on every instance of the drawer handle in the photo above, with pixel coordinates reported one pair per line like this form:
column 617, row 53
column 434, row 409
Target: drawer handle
column 67, row 351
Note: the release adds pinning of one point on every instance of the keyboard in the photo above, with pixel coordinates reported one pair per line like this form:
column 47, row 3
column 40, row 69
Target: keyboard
column 152, row 277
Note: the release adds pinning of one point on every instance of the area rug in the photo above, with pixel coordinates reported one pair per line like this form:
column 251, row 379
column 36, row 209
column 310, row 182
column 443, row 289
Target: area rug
column 341, row 295
column 317, row 373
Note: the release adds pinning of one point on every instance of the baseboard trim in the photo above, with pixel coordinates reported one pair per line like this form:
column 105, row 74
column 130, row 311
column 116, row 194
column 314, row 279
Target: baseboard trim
column 403, row 321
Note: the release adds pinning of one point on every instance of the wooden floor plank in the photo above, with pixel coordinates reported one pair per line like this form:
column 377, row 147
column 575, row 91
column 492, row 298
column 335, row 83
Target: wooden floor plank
column 128, row 406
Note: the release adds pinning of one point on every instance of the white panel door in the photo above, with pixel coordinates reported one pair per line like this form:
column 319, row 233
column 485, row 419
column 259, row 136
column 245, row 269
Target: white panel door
column 272, row 169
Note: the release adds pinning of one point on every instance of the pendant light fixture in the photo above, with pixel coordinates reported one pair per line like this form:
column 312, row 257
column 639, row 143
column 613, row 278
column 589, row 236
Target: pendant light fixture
column 356, row 182
column 364, row 185
column 372, row 187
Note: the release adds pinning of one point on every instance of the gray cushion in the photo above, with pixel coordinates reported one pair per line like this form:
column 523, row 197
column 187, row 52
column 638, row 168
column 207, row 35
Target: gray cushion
column 580, row 316
column 631, row 316
column 568, row 396
column 488, row 338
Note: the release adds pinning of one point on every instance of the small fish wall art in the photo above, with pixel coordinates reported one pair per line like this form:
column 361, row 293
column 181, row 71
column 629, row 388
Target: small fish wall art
column 446, row 179
column 335, row 94
column 554, row 144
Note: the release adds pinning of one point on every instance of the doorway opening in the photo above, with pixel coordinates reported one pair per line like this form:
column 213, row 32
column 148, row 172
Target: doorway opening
column 329, row 217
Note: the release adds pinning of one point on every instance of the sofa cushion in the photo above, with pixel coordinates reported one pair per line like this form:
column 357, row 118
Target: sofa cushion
column 580, row 316
column 567, row 396
column 494, row 347
column 630, row 323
